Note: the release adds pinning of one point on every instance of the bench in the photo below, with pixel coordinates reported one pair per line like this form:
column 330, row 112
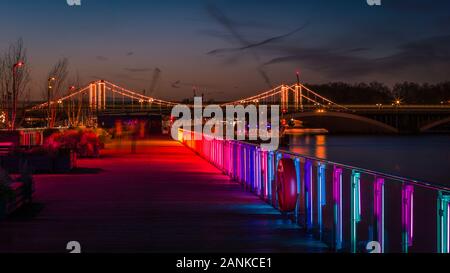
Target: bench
column 6, row 148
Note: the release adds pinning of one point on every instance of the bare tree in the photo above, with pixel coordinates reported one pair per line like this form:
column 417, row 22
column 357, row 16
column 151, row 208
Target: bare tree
column 74, row 105
column 56, row 86
column 25, row 103
column 3, row 92
column 14, row 79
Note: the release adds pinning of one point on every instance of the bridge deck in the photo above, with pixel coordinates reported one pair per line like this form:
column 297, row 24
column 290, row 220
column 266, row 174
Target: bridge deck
column 162, row 199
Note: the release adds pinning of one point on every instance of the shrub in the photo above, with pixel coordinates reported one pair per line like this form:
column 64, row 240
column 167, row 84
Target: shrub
column 85, row 142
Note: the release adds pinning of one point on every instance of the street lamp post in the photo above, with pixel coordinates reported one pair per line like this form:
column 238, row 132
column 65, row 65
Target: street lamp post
column 397, row 103
column 71, row 107
column 14, row 93
column 49, row 102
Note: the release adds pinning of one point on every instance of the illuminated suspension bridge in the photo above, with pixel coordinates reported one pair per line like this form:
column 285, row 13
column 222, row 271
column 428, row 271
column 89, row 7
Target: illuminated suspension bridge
column 297, row 101
column 85, row 105
column 103, row 95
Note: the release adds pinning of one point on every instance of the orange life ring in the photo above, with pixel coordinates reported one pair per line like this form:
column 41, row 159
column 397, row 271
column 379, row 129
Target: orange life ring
column 287, row 185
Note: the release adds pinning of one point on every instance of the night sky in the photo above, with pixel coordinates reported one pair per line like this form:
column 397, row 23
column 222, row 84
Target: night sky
column 231, row 49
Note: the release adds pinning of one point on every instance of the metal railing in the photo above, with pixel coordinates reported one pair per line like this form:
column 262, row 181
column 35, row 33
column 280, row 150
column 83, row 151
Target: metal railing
column 344, row 206
column 23, row 137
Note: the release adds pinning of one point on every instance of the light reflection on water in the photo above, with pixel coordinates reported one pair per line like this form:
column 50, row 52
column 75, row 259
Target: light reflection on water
column 425, row 158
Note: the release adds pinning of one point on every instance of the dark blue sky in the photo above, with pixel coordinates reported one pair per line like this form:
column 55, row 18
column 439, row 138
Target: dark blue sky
column 232, row 48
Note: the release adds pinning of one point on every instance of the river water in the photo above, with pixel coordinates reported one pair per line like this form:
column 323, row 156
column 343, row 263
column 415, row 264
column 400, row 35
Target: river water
column 424, row 157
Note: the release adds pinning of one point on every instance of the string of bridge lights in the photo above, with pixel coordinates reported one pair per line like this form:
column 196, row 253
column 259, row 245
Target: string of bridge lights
column 141, row 97
column 111, row 87
column 283, row 91
column 44, row 105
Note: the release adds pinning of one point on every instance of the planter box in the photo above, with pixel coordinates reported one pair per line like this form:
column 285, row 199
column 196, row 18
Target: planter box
column 10, row 163
column 63, row 161
column 39, row 163
column 12, row 137
column 23, row 196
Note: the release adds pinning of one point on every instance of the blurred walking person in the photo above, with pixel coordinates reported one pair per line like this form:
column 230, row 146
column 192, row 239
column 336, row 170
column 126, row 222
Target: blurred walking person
column 134, row 131
column 118, row 133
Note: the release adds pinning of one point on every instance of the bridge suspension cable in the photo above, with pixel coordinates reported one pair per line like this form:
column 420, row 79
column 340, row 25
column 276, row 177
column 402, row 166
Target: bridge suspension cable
column 45, row 105
column 282, row 94
column 130, row 93
column 97, row 93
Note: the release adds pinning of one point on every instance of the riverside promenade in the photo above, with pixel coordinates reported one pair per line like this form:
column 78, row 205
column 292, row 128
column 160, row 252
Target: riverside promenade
column 163, row 198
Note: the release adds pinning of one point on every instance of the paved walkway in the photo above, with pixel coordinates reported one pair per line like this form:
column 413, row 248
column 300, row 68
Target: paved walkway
column 162, row 199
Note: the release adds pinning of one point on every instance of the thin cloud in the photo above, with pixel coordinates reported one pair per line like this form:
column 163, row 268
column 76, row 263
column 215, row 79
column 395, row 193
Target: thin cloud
column 129, row 77
column 231, row 27
column 431, row 54
column 258, row 44
column 102, row 58
column 176, row 84
column 138, row 70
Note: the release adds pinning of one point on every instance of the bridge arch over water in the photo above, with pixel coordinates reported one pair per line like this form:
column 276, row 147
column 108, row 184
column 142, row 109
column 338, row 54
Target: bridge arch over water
column 340, row 122
column 435, row 124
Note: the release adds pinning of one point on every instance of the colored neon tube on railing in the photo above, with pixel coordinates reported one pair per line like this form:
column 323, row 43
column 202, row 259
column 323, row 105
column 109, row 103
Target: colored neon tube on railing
column 271, row 175
column 337, row 200
column 379, row 211
column 309, row 194
column 355, row 205
column 299, row 189
column 443, row 223
column 407, row 216
column 321, row 194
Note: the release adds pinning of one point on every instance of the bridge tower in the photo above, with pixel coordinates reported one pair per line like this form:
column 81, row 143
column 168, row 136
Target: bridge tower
column 284, row 98
column 97, row 96
column 298, row 98
column 101, row 95
column 93, row 96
